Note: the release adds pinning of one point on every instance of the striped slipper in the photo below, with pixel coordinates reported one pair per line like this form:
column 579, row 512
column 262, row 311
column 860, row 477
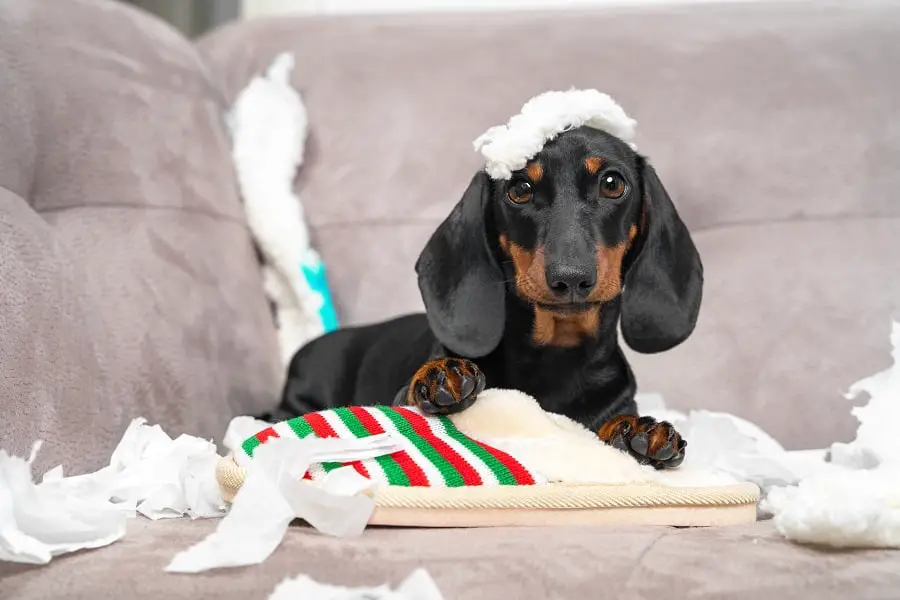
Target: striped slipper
column 504, row 461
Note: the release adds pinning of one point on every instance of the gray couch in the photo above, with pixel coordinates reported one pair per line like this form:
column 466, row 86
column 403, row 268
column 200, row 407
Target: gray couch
column 130, row 286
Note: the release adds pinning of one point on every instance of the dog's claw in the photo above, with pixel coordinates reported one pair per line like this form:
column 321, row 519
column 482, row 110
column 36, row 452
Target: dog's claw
column 466, row 386
column 442, row 397
column 675, row 460
column 618, row 442
column 640, row 443
column 446, row 386
column 664, row 453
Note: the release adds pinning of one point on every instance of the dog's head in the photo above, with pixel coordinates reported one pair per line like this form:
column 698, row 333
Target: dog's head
column 584, row 222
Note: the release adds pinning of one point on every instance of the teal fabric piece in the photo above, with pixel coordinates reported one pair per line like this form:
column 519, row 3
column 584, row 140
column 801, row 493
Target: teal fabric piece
column 316, row 276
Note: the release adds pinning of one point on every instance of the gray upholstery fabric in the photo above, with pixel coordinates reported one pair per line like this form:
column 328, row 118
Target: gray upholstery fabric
column 628, row 563
column 130, row 286
column 774, row 126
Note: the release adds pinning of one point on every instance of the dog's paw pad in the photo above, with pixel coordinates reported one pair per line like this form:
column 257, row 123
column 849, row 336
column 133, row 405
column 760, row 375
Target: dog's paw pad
column 649, row 441
column 446, row 386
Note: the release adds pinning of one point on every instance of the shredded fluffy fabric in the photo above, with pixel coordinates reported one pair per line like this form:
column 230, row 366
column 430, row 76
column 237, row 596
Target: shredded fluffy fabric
column 269, row 128
column 854, row 500
column 417, row 586
column 842, row 508
column 507, row 148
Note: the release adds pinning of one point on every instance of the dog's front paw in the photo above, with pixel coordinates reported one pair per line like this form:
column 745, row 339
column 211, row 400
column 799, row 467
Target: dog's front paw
column 649, row 441
column 445, row 386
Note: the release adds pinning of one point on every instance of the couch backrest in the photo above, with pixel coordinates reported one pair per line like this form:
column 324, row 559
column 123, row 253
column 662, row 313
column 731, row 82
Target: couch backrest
column 776, row 128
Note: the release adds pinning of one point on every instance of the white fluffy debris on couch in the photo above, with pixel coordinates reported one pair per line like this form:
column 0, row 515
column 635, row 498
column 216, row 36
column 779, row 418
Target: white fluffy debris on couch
column 269, row 129
column 418, row 585
column 149, row 474
column 507, row 148
column 853, row 501
column 157, row 477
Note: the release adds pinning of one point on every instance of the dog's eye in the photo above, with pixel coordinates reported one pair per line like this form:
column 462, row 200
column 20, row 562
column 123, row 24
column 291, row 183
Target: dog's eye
column 519, row 192
column 612, row 185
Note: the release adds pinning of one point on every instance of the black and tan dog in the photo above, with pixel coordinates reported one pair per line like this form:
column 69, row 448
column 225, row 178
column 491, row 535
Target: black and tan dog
column 524, row 285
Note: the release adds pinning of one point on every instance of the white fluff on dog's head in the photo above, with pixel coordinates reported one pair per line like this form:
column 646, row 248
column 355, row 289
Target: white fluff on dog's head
column 507, row 148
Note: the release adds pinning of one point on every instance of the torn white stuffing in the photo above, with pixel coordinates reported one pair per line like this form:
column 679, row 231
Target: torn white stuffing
column 855, row 502
column 507, row 148
column 417, row 586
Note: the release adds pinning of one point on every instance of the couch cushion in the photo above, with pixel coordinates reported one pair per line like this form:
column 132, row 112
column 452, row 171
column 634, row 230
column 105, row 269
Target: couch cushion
column 764, row 119
column 130, row 281
column 740, row 562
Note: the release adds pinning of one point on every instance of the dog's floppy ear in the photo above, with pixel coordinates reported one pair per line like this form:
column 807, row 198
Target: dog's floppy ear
column 664, row 282
column 461, row 282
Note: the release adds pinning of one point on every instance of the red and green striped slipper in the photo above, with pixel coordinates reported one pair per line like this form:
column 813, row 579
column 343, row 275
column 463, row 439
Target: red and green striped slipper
column 435, row 453
column 442, row 477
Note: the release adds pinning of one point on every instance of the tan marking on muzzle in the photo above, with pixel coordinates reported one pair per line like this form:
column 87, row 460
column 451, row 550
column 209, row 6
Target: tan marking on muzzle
column 609, row 272
column 531, row 283
column 564, row 330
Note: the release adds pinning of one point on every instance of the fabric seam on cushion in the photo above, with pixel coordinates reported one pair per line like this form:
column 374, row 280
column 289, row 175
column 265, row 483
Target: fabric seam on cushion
column 748, row 223
column 193, row 211
column 638, row 564
column 386, row 222
column 379, row 223
column 14, row 193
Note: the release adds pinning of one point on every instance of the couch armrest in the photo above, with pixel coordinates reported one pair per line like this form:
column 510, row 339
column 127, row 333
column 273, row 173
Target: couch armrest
column 48, row 365
column 130, row 283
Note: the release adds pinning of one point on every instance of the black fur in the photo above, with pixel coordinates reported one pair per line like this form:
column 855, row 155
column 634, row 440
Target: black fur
column 473, row 309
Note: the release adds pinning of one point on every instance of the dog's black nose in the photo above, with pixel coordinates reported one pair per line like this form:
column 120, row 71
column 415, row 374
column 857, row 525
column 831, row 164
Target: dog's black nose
column 573, row 281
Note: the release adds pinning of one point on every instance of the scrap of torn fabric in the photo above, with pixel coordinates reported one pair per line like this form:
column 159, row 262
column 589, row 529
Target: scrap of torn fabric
column 149, row 473
column 855, row 501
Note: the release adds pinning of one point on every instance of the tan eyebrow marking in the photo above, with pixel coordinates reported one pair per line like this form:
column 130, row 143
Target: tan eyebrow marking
column 535, row 171
column 593, row 164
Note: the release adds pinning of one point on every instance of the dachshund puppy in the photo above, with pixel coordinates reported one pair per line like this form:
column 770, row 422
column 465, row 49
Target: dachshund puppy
column 524, row 285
